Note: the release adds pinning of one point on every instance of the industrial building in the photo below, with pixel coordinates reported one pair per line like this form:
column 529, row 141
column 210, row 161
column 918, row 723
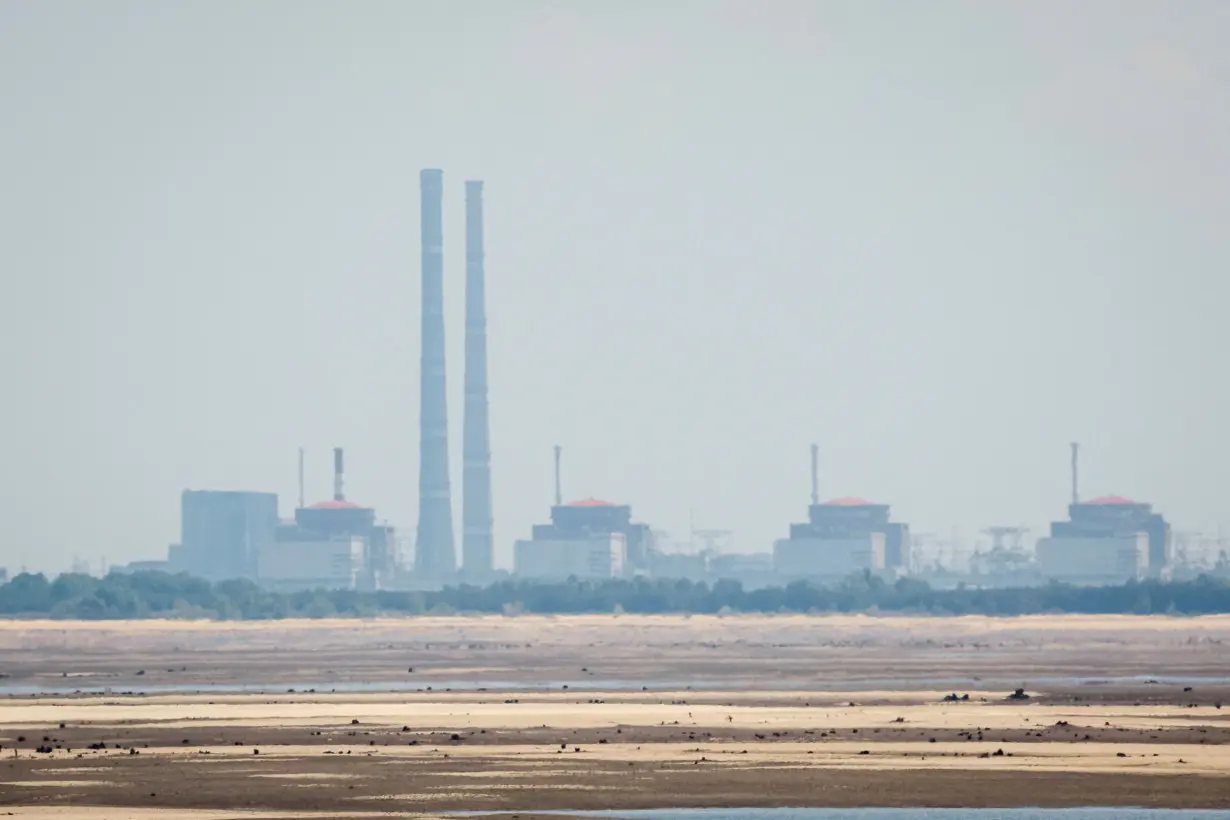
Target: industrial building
column 1107, row 540
column 334, row 544
column 585, row 539
column 840, row 537
column 222, row 532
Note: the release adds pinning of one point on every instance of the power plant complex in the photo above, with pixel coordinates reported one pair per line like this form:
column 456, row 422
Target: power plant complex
column 337, row 543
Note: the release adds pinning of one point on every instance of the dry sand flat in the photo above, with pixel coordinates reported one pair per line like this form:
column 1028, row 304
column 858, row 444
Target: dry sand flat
column 783, row 710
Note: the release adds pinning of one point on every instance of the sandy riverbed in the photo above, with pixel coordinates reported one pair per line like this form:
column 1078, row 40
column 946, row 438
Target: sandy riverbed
column 836, row 711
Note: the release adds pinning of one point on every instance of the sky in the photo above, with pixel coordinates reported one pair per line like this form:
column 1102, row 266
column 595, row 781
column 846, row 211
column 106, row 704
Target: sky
column 941, row 240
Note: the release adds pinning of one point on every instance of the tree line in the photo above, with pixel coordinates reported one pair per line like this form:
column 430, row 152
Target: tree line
column 164, row 595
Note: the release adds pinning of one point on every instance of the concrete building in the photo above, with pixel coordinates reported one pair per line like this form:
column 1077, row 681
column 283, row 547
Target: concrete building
column 141, row 566
column 222, row 531
column 841, row 537
column 694, row 567
column 1101, row 543
column 595, row 556
column 328, row 533
column 828, row 558
column 752, row 569
column 596, row 536
column 1086, row 561
column 329, row 563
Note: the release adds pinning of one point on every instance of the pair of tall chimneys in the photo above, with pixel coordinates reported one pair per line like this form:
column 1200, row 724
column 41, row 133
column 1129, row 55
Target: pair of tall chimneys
column 435, row 552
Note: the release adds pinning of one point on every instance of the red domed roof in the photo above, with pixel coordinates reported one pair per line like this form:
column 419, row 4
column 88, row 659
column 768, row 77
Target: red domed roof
column 590, row 502
column 1111, row 499
column 849, row 502
column 333, row 504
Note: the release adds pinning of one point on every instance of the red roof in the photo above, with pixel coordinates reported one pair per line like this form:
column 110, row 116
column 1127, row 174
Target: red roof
column 848, row 502
column 1111, row 499
column 590, row 502
column 332, row 504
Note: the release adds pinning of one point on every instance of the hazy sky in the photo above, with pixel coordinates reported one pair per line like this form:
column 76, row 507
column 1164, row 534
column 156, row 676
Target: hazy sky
column 940, row 239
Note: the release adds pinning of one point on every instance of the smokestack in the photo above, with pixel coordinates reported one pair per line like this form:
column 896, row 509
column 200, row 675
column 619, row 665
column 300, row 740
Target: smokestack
column 435, row 554
column 815, row 474
column 301, row 500
column 1076, row 497
column 477, row 548
column 338, row 494
column 559, row 494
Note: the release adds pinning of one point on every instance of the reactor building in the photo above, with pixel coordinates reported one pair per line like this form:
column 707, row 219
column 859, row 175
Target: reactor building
column 841, row 537
column 332, row 544
column 586, row 539
column 1106, row 540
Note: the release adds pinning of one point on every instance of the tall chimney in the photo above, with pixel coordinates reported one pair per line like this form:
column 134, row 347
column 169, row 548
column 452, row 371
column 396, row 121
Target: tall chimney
column 338, row 493
column 301, row 499
column 559, row 493
column 815, row 474
column 1076, row 497
column 435, row 554
column 477, row 548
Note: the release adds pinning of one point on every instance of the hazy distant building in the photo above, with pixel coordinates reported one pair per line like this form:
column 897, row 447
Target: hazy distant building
column 840, row 537
column 336, row 562
column 221, row 532
column 1112, row 559
column 1107, row 540
column 749, row 568
column 141, row 566
column 592, row 557
column 678, row 565
column 333, row 543
column 586, row 539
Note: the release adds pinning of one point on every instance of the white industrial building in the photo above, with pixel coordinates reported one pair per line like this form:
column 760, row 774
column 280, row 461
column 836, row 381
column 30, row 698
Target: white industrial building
column 601, row 555
column 1092, row 560
column 330, row 563
column 830, row 558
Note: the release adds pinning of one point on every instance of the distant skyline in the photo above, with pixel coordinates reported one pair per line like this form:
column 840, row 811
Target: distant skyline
column 941, row 240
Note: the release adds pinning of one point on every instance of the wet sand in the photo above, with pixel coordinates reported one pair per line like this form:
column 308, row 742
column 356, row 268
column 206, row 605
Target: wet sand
column 782, row 711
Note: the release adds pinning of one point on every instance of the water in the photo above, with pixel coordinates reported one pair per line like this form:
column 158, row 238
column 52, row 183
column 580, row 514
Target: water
column 908, row 814
column 957, row 684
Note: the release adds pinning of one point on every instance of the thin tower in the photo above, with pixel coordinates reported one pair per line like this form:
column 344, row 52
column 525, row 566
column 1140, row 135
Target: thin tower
column 559, row 490
column 477, row 548
column 301, row 499
column 815, row 474
column 1076, row 497
column 339, row 490
column 435, row 553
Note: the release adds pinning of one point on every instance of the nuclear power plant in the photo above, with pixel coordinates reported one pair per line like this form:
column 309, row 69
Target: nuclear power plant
column 338, row 543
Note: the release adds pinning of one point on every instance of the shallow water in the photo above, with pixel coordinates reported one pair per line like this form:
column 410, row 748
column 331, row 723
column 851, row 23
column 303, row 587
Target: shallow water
column 611, row 685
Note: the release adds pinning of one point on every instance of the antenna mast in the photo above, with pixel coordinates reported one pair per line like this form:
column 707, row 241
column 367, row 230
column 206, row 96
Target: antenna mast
column 815, row 474
column 1076, row 498
column 559, row 494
